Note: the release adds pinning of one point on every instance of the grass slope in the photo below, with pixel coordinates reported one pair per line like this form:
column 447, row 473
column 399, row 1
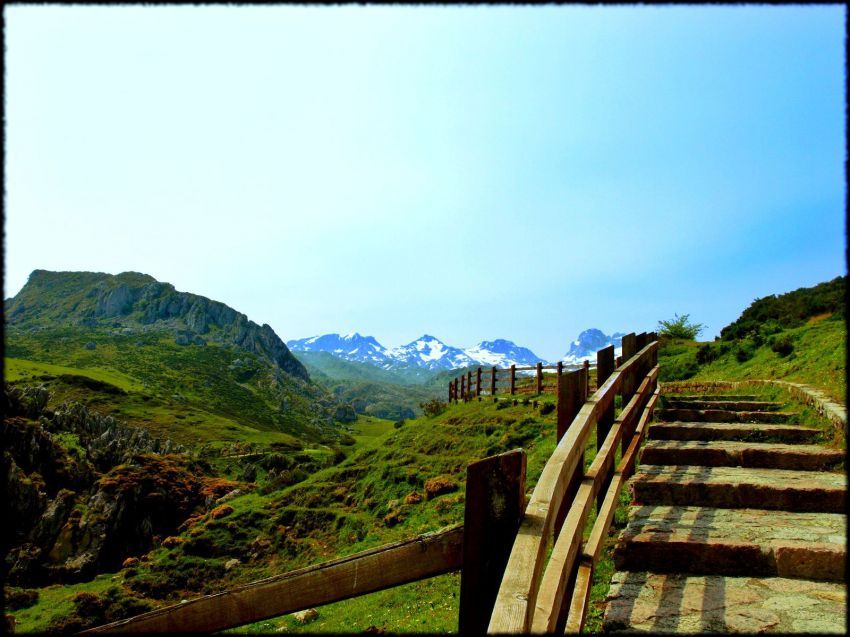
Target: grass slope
column 167, row 379
column 817, row 358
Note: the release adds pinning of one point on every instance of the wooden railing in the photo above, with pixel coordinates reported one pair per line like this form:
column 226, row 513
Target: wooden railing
column 540, row 595
column 507, row 586
column 534, row 379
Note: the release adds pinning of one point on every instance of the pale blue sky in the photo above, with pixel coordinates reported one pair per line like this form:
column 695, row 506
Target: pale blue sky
column 467, row 172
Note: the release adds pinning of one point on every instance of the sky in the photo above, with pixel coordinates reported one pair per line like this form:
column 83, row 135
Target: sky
column 467, row 172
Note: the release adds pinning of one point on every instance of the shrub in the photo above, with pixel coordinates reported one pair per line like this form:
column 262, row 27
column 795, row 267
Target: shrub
column 707, row 353
column 744, row 351
column 398, row 424
column 782, row 344
column 18, row 598
column 680, row 327
column 547, row 408
column 439, row 485
column 220, row 512
column 433, row 407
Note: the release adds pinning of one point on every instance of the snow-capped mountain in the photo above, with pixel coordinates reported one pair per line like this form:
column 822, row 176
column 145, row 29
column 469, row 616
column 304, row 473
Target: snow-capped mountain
column 589, row 342
column 426, row 352
column 431, row 353
column 502, row 353
column 352, row 347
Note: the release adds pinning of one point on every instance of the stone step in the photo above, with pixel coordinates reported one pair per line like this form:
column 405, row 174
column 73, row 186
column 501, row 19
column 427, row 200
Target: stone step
column 737, row 487
column 708, row 541
column 767, row 455
column 713, row 397
column 676, row 603
column 724, row 415
column 751, row 432
column 728, row 405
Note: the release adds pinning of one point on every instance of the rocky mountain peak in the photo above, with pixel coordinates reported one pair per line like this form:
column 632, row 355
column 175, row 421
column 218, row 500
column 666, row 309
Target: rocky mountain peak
column 135, row 300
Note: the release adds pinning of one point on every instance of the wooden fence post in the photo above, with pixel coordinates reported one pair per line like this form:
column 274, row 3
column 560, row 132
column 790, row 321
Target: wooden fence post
column 513, row 379
column 640, row 342
column 586, row 378
column 604, row 369
column 495, row 504
column 493, row 381
column 478, row 382
column 463, row 387
column 570, row 401
column 539, row 378
column 627, row 389
column 469, row 385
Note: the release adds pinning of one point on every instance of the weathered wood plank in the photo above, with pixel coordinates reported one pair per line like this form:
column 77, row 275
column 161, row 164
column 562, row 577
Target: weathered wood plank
column 495, row 501
column 366, row 572
column 579, row 602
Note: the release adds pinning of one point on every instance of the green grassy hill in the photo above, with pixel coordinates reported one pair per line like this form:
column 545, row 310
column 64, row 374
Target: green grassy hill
column 183, row 362
column 800, row 336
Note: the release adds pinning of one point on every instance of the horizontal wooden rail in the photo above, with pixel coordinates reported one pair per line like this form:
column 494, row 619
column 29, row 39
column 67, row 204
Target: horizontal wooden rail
column 593, row 547
column 517, row 597
column 366, row 572
column 561, row 561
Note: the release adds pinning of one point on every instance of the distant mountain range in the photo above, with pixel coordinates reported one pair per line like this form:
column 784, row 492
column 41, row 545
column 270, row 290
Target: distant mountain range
column 430, row 353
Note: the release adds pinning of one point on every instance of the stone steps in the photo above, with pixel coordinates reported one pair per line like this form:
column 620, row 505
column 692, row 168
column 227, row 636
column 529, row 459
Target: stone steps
column 714, row 397
column 728, row 405
column 764, row 455
column 737, row 524
column 724, row 415
column 754, row 432
column 709, row 541
column 736, row 487
column 680, row 603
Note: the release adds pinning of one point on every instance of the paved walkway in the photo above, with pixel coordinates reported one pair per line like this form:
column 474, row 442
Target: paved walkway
column 737, row 525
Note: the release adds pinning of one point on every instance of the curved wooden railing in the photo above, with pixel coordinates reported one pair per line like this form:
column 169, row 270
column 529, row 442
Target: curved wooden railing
column 535, row 595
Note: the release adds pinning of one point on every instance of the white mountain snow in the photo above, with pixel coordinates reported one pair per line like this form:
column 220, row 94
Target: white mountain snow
column 427, row 352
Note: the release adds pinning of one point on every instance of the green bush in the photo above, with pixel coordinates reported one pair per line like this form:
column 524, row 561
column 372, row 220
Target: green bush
column 744, row 350
column 707, row 353
column 433, row 407
column 680, row 327
column 782, row 344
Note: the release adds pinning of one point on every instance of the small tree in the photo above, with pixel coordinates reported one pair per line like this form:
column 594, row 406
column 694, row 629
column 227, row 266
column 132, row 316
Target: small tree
column 680, row 327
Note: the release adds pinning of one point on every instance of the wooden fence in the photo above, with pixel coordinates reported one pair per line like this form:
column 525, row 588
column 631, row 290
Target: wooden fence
column 534, row 379
column 507, row 585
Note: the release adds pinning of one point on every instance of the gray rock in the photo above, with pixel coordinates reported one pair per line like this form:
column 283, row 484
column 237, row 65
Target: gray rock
column 90, row 345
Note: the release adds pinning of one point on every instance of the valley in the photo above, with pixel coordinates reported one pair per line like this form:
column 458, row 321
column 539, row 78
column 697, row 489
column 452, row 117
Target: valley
column 151, row 468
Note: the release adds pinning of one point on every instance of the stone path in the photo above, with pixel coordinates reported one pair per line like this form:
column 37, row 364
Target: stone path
column 738, row 524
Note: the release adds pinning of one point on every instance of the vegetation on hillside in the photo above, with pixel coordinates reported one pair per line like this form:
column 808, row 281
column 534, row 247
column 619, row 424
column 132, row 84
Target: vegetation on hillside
column 800, row 336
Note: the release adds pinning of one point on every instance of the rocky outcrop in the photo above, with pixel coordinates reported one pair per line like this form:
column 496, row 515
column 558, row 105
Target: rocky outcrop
column 92, row 299
column 84, row 491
